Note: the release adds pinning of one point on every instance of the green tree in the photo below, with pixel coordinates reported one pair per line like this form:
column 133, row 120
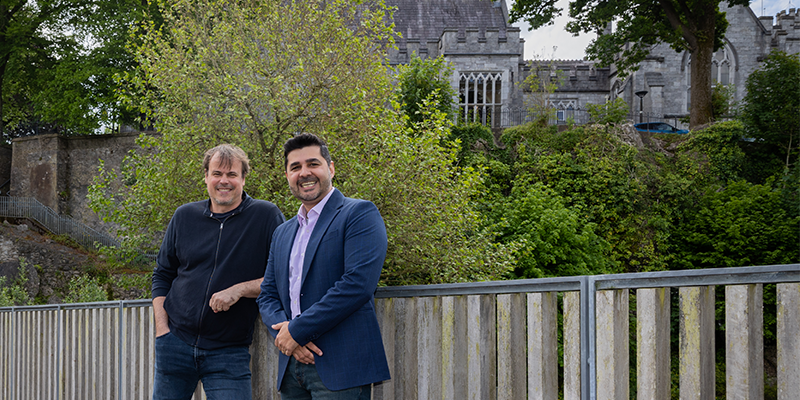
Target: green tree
column 612, row 184
column 551, row 239
column 420, row 80
column 722, row 101
column 58, row 59
column 697, row 27
column 255, row 73
column 542, row 82
column 738, row 225
column 771, row 111
column 612, row 112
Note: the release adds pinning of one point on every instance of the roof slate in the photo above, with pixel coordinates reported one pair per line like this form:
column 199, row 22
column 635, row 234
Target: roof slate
column 425, row 20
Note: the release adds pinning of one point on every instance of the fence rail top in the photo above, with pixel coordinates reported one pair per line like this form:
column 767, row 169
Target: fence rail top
column 81, row 306
column 560, row 284
column 695, row 277
column 700, row 277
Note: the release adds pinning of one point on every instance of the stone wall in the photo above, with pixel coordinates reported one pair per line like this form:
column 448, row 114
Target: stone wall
column 58, row 170
column 35, row 168
column 748, row 40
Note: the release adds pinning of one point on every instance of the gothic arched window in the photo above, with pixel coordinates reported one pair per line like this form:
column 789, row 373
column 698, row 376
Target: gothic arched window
column 722, row 67
column 479, row 97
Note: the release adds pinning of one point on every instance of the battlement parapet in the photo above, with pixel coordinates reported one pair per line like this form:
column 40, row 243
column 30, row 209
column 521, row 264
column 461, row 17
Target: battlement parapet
column 786, row 31
column 488, row 41
column 787, row 20
column 460, row 41
column 574, row 74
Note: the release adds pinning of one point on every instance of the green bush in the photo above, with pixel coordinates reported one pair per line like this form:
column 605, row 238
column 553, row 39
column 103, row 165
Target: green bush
column 423, row 80
column 612, row 112
column 550, row 239
column 84, row 289
column 611, row 183
column 738, row 225
column 717, row 152
column 135, row 281
column 15, row 293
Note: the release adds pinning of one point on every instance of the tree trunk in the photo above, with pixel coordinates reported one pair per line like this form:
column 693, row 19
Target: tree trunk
column 700, row 109
column 700, row 112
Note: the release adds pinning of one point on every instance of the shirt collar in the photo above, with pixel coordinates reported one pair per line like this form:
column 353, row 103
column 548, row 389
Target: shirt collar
column 315, row 211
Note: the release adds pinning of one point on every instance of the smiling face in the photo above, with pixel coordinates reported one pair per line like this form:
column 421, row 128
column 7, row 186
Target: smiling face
column 224, row 184
column 309, row 175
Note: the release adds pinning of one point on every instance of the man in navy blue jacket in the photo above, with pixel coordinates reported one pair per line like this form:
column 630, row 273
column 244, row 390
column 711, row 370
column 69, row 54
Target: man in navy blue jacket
column 208, row 274
column 317, row 297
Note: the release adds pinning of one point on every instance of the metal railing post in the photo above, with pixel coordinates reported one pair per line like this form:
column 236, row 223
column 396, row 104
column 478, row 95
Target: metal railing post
column 588, row 339
column 120, row 344
column 13, row 348
column 592, row 300
column 59, row 349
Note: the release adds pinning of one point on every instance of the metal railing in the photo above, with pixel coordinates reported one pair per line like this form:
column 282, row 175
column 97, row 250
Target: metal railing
column 556, row 116
column 32, row 209
column 488, row 340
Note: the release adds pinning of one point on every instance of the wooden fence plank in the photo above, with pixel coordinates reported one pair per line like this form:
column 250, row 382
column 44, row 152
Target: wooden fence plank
column 697, row 367
column 482, row 348
column 542, row 343
column 788, row 340
column 613, row 368
column 652, row 348
column 429, row 348
column 454, row 347
column 384, row 309
column 512, row 368
column 744, row 341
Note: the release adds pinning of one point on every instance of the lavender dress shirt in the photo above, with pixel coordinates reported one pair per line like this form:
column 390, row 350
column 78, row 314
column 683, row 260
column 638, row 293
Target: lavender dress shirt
column 307, row 223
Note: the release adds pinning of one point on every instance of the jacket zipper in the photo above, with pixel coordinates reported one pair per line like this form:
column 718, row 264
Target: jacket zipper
column 210, row 277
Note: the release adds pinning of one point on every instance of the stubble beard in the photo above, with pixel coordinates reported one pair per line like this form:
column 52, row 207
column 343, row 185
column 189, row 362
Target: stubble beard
column 324, row 188
column 221, row 202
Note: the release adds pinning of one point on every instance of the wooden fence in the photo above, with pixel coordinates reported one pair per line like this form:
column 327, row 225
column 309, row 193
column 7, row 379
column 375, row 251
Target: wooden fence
column 488, row 340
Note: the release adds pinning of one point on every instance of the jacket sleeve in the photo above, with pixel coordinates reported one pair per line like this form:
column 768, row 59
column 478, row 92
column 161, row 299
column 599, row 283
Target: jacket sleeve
column 167, row 262
column 269, row 302
column 364, row 250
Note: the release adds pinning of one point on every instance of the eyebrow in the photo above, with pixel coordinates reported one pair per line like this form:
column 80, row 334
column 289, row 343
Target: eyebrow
column 215, row 171
column 308, row 160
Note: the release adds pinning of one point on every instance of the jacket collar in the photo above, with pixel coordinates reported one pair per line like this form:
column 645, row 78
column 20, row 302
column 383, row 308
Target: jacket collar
column 246, row 200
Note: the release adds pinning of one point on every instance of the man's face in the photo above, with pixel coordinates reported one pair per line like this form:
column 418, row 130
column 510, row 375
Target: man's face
column 309, row 175
column 224, row 185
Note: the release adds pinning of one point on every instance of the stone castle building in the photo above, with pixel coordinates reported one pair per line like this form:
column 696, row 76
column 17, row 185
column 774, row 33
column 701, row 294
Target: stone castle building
column 474, row 37
column 488, row 61
column 489, row 66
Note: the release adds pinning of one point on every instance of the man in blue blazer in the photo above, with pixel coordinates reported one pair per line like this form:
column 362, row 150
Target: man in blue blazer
column 317, row 297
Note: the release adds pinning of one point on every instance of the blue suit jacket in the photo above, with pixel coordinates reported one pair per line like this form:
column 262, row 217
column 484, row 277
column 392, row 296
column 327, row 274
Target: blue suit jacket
column 342, row 265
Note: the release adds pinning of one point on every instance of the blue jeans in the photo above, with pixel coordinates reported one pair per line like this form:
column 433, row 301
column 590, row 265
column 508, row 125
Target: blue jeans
column 301, row 381
column 225, row 372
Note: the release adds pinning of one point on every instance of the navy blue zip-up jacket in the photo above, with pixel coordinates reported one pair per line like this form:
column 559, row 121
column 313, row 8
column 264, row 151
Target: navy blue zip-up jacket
column 203, row 253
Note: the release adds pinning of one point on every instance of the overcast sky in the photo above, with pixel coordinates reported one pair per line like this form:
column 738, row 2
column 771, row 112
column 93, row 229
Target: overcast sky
column 553, row 42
